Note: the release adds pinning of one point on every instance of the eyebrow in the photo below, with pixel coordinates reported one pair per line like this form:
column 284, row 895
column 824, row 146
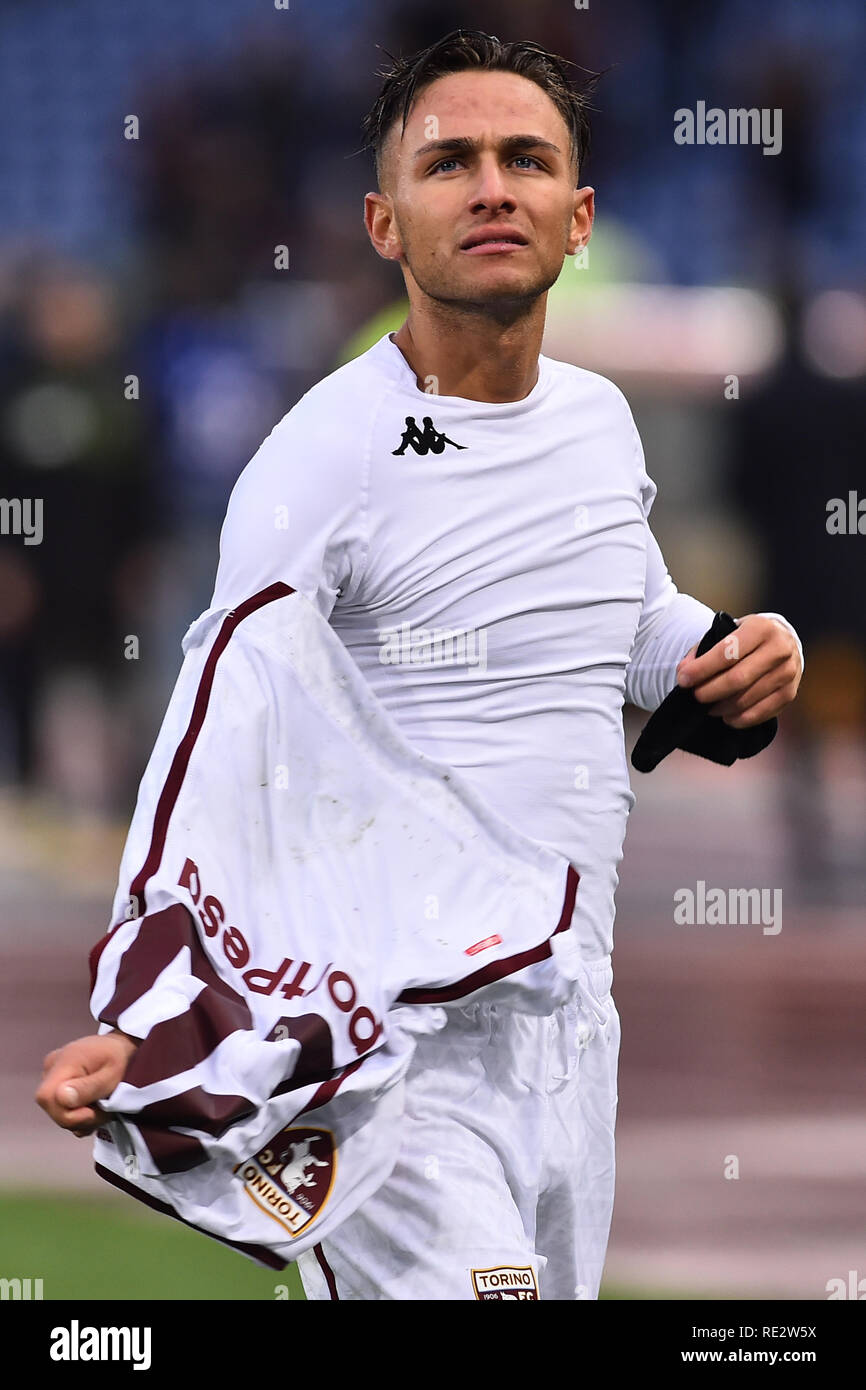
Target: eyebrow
column 464, row 144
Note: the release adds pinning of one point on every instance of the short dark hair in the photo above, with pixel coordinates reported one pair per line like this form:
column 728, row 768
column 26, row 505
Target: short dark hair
column 471, row 48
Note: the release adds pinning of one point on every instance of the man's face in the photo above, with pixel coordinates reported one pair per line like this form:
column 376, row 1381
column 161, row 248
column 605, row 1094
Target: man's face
column 437, row 197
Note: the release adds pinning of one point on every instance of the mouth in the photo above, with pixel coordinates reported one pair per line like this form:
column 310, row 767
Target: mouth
column 492, row 242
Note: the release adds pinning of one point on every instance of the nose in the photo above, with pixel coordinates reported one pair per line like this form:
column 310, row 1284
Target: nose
column 491, row 191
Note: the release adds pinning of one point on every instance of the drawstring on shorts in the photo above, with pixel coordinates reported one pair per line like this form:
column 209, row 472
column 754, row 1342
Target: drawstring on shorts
column 591, row 1017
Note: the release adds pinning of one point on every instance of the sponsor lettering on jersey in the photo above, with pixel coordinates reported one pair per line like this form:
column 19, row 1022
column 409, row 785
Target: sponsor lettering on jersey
column 363, row 1027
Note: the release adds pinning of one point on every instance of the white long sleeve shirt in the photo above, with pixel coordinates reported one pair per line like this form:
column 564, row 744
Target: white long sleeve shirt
column 501, row 591
column 273, row 945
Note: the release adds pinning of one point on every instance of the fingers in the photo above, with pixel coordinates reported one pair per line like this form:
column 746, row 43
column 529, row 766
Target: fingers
column 752, row 678
column 80, row 1122
column 84, row 1118
column 74, row 1078
column 694, row 670
column 757, row 714
column 759, row 701
column 735, row 678
column 761, row 710
column 77, row 1090
column 91, row 1120
column 54, row 1077
column 70, row 1093
column 740, row 661
column 60, row 1096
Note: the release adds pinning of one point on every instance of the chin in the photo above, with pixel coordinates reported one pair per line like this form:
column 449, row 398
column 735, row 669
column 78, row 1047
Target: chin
column 506, row 287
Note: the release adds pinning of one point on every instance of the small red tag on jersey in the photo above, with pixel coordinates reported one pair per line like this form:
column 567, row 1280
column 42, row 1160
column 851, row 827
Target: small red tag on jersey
column 495, row 940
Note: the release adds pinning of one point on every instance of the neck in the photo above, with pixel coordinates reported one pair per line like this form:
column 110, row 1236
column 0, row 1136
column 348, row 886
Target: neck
column 469, row 353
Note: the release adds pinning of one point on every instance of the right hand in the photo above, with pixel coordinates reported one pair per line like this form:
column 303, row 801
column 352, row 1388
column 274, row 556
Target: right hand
column 82, row 1072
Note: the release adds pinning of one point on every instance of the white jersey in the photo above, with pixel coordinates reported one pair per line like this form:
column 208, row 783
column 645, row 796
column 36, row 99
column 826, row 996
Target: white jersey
column 348, row 835
column 278, row 996
column 491, row 570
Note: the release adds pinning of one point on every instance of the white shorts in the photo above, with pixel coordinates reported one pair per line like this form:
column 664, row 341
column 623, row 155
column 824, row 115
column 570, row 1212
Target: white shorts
column 505, row 1180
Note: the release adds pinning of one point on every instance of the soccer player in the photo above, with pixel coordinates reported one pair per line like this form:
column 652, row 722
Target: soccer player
column 454, row 481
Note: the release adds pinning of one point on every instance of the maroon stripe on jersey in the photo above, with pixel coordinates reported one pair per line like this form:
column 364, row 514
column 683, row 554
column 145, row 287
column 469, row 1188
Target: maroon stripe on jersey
column 316, row 1057
column 329, row 1089
column 180, row 1043
column 196, row 1109
column 96, row 955
column 174, row 781
column 156, row 943
column 328, row 1272
column 497, row 970
column 171, row 1152
column 256, row 1252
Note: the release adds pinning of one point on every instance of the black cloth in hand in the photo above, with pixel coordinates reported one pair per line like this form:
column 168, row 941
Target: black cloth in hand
column 681, row 721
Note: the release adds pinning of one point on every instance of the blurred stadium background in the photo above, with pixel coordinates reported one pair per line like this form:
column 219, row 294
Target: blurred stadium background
column 154, row 258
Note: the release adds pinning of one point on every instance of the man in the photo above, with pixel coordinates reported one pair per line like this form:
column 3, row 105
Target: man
column 516, row 516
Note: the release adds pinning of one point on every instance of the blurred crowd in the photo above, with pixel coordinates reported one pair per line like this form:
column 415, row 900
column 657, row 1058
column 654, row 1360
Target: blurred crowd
column 148, row 342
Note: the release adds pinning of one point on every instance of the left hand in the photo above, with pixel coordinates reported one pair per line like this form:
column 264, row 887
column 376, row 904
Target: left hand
column 748, row 676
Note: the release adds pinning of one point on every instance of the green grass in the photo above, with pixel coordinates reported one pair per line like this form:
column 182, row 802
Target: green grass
column 85, row 1247
column 111, row 1248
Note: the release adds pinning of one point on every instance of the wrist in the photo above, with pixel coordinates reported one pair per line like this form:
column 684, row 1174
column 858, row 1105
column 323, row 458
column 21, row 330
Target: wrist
column 130, row 1043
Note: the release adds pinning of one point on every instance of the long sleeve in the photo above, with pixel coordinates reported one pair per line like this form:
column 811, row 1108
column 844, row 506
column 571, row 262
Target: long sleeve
column 670, row 624
column 296, row 516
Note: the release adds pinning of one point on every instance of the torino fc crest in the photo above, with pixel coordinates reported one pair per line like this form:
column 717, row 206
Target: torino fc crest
column 505, row 1282
column 291, row 1178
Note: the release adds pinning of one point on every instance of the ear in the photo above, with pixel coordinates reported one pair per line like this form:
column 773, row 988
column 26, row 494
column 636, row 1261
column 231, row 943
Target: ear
column 381, row 226
column 582, row 219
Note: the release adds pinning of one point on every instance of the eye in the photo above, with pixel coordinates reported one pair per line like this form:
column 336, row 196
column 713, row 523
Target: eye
column 452, row 159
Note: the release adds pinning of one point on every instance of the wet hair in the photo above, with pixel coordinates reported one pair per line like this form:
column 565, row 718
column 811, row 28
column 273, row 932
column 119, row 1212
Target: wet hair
column 467, row 49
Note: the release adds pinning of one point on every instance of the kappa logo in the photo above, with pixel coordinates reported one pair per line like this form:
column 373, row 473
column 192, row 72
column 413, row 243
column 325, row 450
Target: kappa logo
column 506, row 1281
column 291, row 1178
column 426, row 441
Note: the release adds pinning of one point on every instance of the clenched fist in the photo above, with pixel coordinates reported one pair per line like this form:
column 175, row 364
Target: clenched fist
column 750, row 675
column 81, row 1073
